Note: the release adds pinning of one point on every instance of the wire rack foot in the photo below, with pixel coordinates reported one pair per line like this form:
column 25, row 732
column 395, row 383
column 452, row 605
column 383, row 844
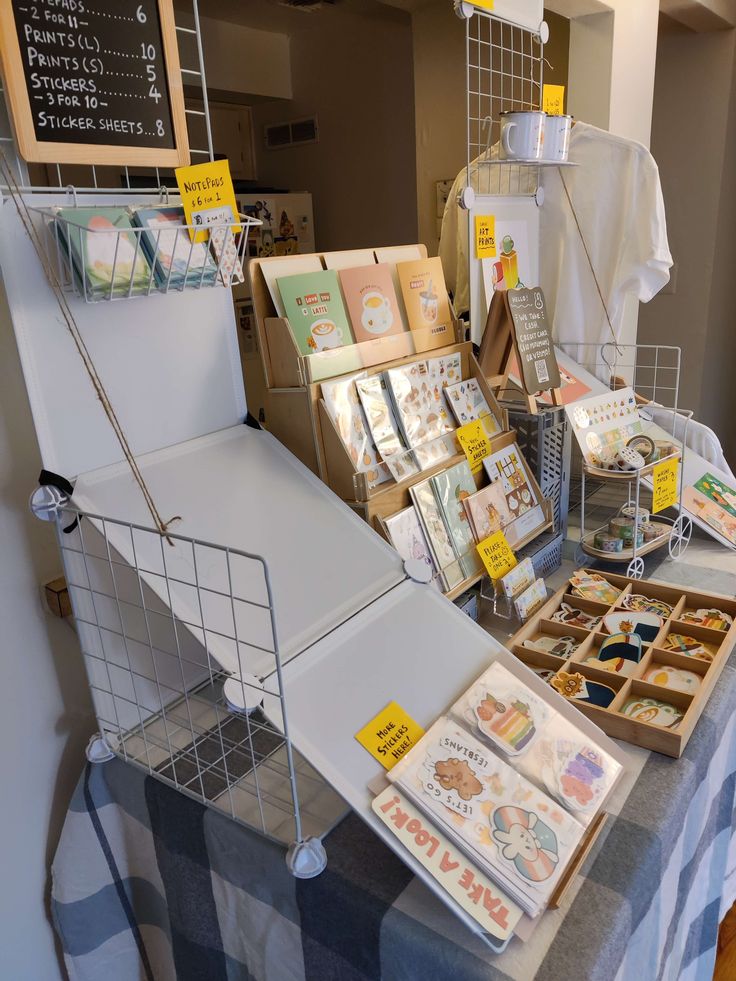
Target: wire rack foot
column 306, row 859
column 97, row 750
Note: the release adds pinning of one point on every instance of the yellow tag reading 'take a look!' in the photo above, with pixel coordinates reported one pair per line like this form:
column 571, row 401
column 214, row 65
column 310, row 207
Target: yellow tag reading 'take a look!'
column 207, row 196
column 664, row 476
column 475, row 443
column 553, row 99
column 497, row 555
column 485, row 236
column 390, row 735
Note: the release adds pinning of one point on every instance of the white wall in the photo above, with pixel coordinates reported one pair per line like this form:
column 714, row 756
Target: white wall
column 45, row 712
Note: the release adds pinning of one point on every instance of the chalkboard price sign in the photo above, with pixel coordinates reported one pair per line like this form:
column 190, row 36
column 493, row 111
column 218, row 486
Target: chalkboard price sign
column 94, row 81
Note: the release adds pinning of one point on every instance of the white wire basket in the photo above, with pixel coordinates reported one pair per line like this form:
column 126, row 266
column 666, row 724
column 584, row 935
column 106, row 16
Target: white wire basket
column 98, row 262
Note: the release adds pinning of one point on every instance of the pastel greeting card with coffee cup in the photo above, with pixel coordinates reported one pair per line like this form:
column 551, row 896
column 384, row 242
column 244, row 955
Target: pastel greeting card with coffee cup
column 316, row 313
column 374, row 312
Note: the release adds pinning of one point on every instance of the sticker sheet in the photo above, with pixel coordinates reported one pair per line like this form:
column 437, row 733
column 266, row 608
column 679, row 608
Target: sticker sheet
column 507, row 466
column 517, row 834
column 377, row 404
column 539, row 743
column 421, row 411
column 468, row 404
column 603, row 424
column 435, row 529
column 346, row 411
column 714, row 502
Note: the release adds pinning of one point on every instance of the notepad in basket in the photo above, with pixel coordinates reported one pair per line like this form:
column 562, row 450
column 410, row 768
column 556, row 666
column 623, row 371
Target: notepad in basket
column 171, row 251
column 105, row 253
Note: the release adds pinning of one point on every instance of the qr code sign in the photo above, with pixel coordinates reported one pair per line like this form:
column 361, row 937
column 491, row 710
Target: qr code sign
column 542, row 371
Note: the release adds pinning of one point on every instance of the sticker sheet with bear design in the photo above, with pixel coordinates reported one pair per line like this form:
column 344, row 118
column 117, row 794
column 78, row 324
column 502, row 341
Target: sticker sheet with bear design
column 545, row 747
column 516, row 833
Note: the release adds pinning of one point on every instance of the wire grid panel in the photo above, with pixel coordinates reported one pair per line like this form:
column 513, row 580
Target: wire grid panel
column 191, row 60
column 154, row 634
column 652, row 370
column 504, row 72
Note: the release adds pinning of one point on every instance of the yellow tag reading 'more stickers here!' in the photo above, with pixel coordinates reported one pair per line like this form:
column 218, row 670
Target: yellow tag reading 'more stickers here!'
column 390, row 735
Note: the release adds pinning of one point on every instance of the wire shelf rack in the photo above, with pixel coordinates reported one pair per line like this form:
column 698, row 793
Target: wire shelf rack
column 96, row 261
column 157, row 619
column 504, row 72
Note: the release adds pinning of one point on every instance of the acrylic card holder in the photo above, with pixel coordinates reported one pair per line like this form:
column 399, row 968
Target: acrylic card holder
column 644, row 659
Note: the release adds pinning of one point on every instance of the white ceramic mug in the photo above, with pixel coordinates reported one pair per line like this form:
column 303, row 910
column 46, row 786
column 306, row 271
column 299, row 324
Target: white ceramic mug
column 522, row 135
column 557, row 137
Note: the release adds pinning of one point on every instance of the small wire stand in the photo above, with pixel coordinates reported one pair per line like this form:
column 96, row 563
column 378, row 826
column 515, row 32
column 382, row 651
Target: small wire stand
column 150, row 631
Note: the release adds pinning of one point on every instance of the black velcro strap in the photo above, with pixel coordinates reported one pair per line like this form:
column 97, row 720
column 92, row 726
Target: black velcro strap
column 47, row 478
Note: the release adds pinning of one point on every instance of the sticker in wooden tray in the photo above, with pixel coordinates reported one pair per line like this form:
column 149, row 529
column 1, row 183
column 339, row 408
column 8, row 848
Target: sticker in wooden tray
column 678, row 679
column 581, row 689
column 714, row 619
column 653, row 711
column 619, row 653
column 643, row 604
column 575, row 618
column 644, row 624
column 687, row 646
column 594, row 587
column 557, row 646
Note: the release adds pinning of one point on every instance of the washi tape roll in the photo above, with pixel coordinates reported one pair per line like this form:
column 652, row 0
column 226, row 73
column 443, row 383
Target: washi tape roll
column 644, row 445
column 631, row 511
column 664, row 448
column 606, row 542
column 650, row 531
column 621, row 526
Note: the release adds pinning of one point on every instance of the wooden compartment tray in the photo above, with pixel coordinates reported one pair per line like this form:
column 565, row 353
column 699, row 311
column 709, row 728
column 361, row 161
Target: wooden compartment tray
column 718, row 643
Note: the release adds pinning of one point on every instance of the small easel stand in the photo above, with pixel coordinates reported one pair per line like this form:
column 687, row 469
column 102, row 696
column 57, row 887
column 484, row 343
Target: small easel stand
column 516, row 344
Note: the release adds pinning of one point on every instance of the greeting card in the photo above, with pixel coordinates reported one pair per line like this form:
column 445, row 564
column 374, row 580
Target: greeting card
column 372, row 306
column 408, row 538
column 488, row 510
column 427, row 305
column 315, row 311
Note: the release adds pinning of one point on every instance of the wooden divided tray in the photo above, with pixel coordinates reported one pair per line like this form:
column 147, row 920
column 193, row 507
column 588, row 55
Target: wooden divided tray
column 718, row 644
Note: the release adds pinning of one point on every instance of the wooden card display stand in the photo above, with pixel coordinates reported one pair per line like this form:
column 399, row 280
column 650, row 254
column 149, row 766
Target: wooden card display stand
column 297, row 415
column 500, row 349
column 670, row 741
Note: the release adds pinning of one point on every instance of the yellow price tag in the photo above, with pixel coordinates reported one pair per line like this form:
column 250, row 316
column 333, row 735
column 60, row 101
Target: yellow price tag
column 475, row 444
column 497, row 556
column 390, row 735
column 483, row 4
column 208, row 196
column 485, row 236
column 553, row 99
column 665, row 476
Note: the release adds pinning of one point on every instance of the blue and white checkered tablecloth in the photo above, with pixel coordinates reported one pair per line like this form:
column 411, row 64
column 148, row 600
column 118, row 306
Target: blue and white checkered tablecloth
column 149, row 884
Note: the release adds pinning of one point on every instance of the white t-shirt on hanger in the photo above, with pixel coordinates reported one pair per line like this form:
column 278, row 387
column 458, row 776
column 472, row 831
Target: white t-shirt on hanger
column 617, row 196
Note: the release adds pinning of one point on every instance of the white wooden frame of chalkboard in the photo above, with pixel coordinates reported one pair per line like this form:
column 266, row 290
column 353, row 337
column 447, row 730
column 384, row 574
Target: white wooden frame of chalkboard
column 35, row 151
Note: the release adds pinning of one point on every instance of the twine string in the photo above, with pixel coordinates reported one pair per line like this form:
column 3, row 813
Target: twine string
column 71, row 324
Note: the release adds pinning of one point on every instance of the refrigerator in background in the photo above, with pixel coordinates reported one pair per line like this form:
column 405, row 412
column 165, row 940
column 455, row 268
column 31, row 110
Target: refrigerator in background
column 287, row 229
